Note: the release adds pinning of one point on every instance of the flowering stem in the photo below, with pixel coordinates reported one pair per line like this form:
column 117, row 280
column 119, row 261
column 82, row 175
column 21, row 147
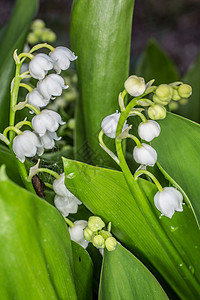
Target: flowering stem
column 145, row 206
column 36, row 110
column 24, row 55
column 106, row 149
column 43, row 45
column 155, row 180
column 51, row 172
column 138, row 113
column 22, row 123
column 49, row 185
column 9, row 128
column 26, row 86
column 135, row 139
column 69, row 222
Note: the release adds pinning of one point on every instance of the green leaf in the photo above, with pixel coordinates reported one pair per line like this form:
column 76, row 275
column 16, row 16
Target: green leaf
column 35, row 247
column 123, row 276
column 83, row 271
column 101, row 39
column 178, row 154
column 155, row 64
column 192, row 109
column 106, row 194
column 14, row 38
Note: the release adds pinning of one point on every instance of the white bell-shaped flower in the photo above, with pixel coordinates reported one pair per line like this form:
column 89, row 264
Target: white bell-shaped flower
column 135, row 85
column 64, row 200
column 48, row 139
column 62, row 57
column 145, row 155
column 36, row 99
column 27, row 144
column 149, row 130
column 109, row 125
column 51, row 86
column 40, row 65
column 47, row 120
column 76, row 233
column 168, row 201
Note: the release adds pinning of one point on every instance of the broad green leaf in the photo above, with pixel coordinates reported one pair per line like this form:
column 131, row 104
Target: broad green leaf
column 35, row 247
column 101, row 40
column 155, row 64
column 123, row 276
column 14, row 37
column 178, row 154
column 83, row 271
column 192, row 109
column 106, row 194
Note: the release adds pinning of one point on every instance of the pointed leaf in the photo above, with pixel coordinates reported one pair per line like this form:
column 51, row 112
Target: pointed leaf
column 123, row 276
column 35, row 247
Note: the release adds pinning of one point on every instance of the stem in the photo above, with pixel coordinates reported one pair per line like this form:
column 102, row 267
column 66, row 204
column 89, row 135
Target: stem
column 50, row 186
column 155, row 180
column 24, row 176
column 124, row 93
column 145, row 206
column 69, row 222
column 26, row 86
column 14, row 96
column 36, row 110
column 106, row 149
column 9, row 128
column 51, row 172
column 138, row 113
column 24, row 54
column 22, row 123
column 135, row 139
column 43, row 45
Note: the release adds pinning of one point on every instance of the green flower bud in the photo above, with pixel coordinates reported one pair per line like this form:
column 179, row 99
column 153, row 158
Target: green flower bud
column 157, row 112
column 105, row 234
column 135, row 85
column 95, row 223
column 48, row 35
column 71, row 124
column 38, row 32
column 176, row 95
column 51, row 36
column 98, row 241
column 183, row 101
column 173, row 105
column 184, row 90
column 38, row 24
column 88, row 234
column 164, row 92
column 32, row 38
column 111, row 243
column 158, row 101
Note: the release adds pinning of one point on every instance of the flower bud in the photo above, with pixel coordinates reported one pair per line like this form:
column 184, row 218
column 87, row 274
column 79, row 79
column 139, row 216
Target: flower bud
column 145, row 155
column 32, row 38
column 110, row 243
column 40, row 65
column 176, row 95
column 62, row 57
column 38, row 23
column 158, row 101
column 109, row 125
column 98, row 241
column 135, row 85
column 164, row 92
column 168, row 201
column 76, row 233
column 105, row 234
column 148, row 130
column 95, row 223
column 88, row 234
column 184, row 90
column 157, row 112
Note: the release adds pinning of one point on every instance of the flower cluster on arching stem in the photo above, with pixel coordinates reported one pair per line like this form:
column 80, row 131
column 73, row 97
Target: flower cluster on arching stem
column 148, row 101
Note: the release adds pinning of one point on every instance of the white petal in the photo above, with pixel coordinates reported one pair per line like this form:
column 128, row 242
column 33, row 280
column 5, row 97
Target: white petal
column 145, row 155
column 149, row 130
column 39, row 66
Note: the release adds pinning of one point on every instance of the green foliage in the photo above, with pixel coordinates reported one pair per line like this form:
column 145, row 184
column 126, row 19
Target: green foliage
column 106, row 194
column 123, row 276
column 13, row 38
column 101, row 39
column 155, row 63
column 35, row 247
column 178, row 154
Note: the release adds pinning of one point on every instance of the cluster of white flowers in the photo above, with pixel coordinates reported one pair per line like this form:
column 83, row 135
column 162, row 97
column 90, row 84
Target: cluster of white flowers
column 45, row 123
column 168, row 200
